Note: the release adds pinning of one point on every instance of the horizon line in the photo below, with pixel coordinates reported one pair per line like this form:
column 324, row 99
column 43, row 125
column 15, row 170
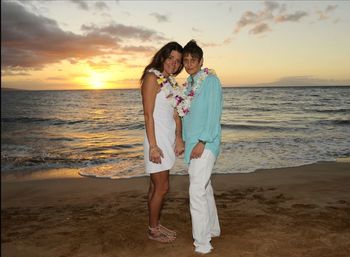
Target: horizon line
column 104, row 89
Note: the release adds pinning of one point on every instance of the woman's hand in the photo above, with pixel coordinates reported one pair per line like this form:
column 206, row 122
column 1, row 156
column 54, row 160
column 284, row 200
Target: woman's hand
column 179, row 146
column 197, row 151
column 155, row 154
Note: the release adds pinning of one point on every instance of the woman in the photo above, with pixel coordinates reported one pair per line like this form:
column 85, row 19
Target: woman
column 163, row 131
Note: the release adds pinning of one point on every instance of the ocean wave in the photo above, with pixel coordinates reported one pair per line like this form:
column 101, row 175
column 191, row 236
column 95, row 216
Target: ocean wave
column 333, row 122
column 258, row 127
column 40, row 120
column 45, row 161
column 341, row 110
column 113, row 147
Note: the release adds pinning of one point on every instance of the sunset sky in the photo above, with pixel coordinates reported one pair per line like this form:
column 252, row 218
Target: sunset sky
column 75, row 44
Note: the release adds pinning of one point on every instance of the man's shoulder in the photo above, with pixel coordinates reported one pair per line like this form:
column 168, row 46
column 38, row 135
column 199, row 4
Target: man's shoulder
column 213, row 80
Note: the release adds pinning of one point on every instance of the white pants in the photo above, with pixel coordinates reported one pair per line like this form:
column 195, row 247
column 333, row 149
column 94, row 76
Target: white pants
column 205, row 222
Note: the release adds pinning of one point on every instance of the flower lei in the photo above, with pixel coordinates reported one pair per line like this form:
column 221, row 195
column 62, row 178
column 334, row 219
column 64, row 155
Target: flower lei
column 180, row 96
column 183, row 98
column 168, row 85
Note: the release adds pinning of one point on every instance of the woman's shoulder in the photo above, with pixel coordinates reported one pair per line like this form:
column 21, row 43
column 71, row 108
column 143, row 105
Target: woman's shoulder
column 150, row 79
column 150, row 75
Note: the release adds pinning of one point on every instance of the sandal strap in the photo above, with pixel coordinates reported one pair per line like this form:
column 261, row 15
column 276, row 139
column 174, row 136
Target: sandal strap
column 166, row 230
column 156, row 229
column 158, row 235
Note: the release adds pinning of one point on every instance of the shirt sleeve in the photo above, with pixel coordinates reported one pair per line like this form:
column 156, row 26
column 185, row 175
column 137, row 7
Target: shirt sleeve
column 213, row 97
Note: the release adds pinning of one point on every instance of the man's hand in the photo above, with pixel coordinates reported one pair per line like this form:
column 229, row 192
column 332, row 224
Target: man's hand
column 197, row 151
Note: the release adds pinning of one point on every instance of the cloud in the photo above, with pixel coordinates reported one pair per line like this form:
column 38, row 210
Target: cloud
column 247, row 18
column 227, row 41
column 100, row 65
column 126, row 62
column 120, row 31
column 82, row 4
column 259, row 28
column 272, row 12
column 57, row 78
column 331, row 8
column 271, row 6
column 101, row 6
column 256, row 18
column 31, row 41
column 324, row 15
column 160, row 17
column 291, row 17
column 204, row 44
column 197, row 30
column 139, row 49
column 13, row 73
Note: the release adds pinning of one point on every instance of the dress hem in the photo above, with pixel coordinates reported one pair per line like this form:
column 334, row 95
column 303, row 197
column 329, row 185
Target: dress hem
column 157, row 171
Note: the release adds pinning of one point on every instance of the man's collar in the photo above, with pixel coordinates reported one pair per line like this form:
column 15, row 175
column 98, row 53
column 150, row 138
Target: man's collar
column 195, row 77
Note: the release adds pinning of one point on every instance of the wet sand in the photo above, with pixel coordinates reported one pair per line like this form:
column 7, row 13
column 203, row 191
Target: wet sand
column 301, row 211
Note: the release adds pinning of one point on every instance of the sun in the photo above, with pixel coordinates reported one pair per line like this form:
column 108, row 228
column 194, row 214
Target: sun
column 96, row 80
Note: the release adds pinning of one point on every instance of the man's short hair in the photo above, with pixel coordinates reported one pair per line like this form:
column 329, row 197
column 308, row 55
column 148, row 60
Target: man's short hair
column 193, row 49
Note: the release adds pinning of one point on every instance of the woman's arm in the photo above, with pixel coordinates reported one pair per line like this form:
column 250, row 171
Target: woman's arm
column 149, row 90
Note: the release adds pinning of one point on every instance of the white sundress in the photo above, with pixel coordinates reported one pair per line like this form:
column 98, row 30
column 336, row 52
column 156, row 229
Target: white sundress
column 164, row 125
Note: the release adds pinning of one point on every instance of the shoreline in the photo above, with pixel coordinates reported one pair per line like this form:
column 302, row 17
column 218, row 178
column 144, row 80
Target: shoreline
column 55, row 173
column 299, row 211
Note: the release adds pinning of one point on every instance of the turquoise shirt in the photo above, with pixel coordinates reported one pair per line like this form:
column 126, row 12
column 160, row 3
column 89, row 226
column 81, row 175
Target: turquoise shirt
column 203, row 120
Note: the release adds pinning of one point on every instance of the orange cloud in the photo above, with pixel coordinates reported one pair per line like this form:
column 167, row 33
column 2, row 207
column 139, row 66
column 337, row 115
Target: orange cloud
column 31, row 41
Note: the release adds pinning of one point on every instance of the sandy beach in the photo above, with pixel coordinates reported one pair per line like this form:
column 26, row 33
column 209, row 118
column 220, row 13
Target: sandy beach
column 301, row 211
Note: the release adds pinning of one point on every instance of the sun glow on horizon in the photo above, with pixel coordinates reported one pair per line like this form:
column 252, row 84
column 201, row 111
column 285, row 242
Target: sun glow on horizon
column 97, row 80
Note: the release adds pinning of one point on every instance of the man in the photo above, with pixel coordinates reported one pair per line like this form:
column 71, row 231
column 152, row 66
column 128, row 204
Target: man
column 202, row 136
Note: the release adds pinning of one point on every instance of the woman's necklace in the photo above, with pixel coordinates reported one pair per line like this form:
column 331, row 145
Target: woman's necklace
column 168, row 85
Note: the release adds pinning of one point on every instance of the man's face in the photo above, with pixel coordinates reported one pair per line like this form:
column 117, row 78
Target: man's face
column 192, row 64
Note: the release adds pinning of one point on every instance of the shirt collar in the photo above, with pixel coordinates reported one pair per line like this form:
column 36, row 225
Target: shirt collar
column 189, row 79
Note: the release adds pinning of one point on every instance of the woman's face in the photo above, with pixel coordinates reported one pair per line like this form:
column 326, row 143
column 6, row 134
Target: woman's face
column 172, row 63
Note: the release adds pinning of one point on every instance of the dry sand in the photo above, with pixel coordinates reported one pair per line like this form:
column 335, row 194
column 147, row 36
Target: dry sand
column 302, row 211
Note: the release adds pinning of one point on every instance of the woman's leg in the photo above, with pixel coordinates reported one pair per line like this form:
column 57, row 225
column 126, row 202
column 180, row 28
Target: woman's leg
column 150, row 193
column 163, row 229
column 159, row 186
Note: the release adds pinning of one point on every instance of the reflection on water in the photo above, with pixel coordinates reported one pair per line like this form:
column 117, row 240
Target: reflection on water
column 101, row 132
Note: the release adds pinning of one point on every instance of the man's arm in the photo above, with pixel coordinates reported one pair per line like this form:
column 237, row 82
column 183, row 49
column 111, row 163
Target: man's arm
column 213, row 97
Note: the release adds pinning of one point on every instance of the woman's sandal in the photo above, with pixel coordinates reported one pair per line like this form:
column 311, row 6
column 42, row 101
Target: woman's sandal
column 167, row 231
column 157, row 235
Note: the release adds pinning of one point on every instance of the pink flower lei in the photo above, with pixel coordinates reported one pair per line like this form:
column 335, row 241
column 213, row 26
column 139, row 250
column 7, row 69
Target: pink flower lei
column 168, row 85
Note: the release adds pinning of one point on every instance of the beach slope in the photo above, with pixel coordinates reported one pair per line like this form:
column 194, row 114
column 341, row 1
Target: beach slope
column 301, row 211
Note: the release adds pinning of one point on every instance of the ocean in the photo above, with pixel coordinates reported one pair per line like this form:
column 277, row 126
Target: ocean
column 100, row 132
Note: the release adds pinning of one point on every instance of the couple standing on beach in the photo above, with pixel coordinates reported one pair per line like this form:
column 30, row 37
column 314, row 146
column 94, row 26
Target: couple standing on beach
column 182, row 119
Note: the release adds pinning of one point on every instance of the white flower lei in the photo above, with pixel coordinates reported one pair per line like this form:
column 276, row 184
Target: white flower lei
column 168, row 85
column 178, row 95
column 183, row 98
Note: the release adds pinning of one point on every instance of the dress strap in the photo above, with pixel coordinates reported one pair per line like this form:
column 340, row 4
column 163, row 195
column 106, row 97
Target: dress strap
column 156, row 72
